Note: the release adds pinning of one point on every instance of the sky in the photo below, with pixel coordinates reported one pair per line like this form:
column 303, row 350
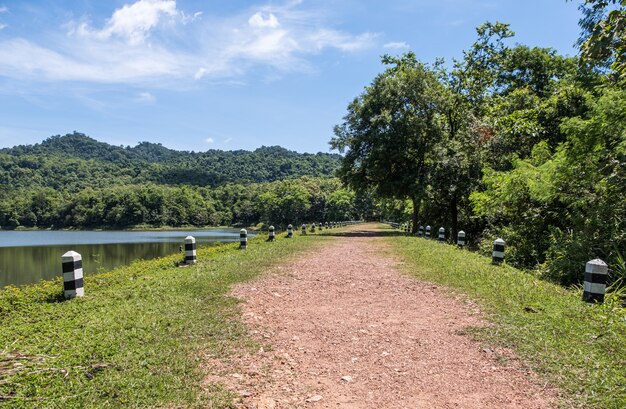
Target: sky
column 228, row 74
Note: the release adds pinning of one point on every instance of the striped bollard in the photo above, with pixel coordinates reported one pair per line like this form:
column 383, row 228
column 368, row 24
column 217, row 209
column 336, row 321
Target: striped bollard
column 460, row 240
column 596, row 273
column 420, row 231
column 72, row 264
column 428, row 232
column 442, row 234
column 303, row 230
column 272, row 233
column 243, row 239
column 498, row 251
column 313, row 228
column 327, row 225
column 190, row 250
column 290, row 231
column 321, row 226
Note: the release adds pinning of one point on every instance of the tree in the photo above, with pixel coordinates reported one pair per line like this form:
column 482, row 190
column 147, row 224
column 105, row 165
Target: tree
column 602, row 41
column 390, row 130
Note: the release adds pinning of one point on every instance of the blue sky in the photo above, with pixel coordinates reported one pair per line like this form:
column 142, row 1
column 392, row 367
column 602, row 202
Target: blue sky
column 227, row 74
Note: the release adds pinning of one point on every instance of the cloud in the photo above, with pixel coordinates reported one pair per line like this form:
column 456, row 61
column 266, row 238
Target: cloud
column 3, row 26
column 146, row 97
column 132, row 23
column 153, row 42
column 396, row 45
column 228, row 140
column 261, row 21
column 210, row 141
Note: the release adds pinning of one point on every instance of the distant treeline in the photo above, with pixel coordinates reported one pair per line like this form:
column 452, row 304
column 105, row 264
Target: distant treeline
column 280, row 203
column 74, row 162
column 74, row 181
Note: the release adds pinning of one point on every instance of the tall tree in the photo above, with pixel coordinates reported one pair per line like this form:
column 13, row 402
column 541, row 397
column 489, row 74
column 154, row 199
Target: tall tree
column 390, row 131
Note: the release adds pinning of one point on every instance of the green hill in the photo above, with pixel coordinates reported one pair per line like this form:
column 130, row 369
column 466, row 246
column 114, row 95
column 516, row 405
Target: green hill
column 76, row 161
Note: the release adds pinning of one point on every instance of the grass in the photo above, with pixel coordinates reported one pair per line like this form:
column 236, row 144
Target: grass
column 137, row 338
column 578, row 347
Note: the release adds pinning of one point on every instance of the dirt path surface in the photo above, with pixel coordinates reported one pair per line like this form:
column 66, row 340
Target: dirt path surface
column 343, row 328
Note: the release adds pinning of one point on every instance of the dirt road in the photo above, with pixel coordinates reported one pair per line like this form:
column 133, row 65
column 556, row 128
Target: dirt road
column 343, row 328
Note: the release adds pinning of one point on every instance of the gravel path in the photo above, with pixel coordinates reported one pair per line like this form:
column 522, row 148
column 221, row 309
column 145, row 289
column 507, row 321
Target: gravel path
column 343, row 328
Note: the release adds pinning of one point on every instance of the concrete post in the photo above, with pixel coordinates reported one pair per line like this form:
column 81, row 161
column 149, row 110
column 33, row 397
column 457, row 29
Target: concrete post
column 190, row 250
column 72, row 264
column 594, row 286
column 243, row 239
column 442, row 234
column 498, row 251
column 290, row 231
column 461, row 238
column 428, row 232
column 272, row 233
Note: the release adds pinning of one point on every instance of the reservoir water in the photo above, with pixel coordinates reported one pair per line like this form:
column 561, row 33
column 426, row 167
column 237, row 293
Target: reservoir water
column 29, row 256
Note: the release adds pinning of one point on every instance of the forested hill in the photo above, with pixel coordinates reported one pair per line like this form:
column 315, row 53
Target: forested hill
column 75, row 161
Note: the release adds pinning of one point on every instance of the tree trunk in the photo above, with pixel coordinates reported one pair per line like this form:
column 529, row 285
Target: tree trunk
column 454, row 212
column 416, row 203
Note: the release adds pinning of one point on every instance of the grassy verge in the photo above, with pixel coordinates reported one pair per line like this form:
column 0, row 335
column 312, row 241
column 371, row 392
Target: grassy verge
column 577, row 347
column 138, row 336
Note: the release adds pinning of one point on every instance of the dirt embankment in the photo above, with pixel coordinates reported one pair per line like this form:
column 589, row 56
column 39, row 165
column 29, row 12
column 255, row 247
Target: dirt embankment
column 343, row 328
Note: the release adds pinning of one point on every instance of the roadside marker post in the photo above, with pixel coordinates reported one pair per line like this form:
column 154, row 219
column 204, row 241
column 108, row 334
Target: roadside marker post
column 243, row 239
column 190, row 250
column 594, row 286
column 498, row 251
column 73, row 285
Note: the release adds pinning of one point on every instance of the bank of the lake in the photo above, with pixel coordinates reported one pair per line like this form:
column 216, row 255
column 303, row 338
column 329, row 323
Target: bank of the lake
column 27, row 256
column 138, row 336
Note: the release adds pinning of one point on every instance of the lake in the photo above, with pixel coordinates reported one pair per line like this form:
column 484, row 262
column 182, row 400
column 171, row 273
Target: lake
column 29, row 256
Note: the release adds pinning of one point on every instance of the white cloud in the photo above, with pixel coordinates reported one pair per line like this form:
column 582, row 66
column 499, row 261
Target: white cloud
column 397, row 45
column 227, row 140
column 261, row 21
column 101, row 63
column 132, row 23
column 210, row 141
column 146, row 97
column 3, row 26
column 153, row 42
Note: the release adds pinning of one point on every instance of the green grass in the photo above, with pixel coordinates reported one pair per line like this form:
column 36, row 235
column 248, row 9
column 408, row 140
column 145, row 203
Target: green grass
column 578, row 347
column 137, row 338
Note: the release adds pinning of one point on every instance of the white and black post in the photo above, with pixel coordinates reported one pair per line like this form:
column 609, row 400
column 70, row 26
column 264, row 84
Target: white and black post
column 303, row 231
column 428, row 232
column 498, row 251
column 596, row 273
column 243, row 239
column 460, row 240
column 290, row 231
column 442, row 234
column 72, row 264
column 420, row 231
column 190, row 250
column 313, row 228
column 272, row 234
